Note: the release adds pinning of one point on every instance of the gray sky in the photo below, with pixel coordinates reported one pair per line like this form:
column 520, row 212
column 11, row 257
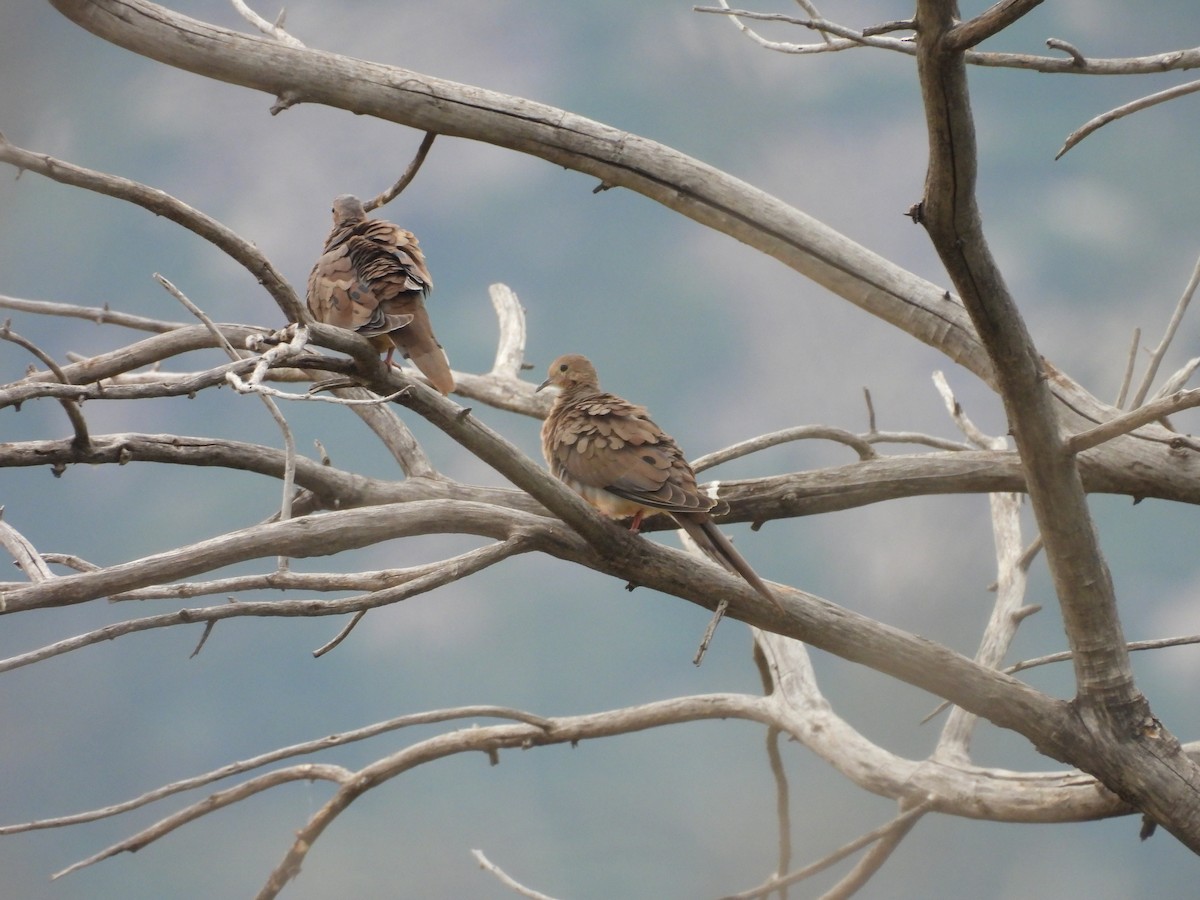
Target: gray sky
column 718, row 341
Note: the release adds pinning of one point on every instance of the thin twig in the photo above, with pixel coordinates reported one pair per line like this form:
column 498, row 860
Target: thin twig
column 341, row 635
column 101, row 315
column 24, row 554
column 70, row 407
column 972, row 432
column 1178, row 379
column 78, row 563
column 901, row 821
column 717, row 615
column 1066, row 655
column 872, row 861
column 783, row 811
column 1132, row 646
column 406, row 179
column 1012, row 566
column 431, row 717
column 208, row 630
column 1132, row 420
column 508, row 881
column 431, row 577
column 1157, row 354
column 271, row 30
column 491, row 739
column 289, row 440
column 1124, row 110
column 860, row 445
column 847, row 37
column 201, row 808
column 244, row 387
column 1070, row 49
column 1130, row 361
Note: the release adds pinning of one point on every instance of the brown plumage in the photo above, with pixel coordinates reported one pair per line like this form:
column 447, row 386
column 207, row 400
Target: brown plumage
column 611, row 453
column 371, row 278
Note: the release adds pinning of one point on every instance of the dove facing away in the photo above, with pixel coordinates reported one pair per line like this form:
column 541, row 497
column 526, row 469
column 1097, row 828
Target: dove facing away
column 371, row 278
column 609, row 452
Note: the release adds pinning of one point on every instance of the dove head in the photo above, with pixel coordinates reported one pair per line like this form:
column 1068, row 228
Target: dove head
column 347, row 208
column 571, row 371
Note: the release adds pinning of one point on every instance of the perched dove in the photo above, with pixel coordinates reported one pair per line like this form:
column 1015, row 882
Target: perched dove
column 371, row 278
column 620, row 462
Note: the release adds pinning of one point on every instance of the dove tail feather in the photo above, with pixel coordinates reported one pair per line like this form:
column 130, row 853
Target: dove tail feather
column 720, row 549
column 428, row 356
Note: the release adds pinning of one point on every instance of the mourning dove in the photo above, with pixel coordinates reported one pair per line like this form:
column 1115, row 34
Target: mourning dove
column 611, row 453
column 371, row 278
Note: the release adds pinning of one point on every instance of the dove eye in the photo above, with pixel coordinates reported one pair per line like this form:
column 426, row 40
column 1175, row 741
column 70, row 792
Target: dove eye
column 563, row 367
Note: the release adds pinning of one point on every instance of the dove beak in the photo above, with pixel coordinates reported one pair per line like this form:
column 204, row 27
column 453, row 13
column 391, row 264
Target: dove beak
column 544, row 384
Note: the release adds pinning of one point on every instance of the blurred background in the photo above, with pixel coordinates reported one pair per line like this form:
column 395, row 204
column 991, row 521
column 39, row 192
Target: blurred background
column 720, row 342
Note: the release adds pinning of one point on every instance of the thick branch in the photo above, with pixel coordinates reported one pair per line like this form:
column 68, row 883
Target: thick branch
column 990, row 22
column 1153, row 770
column 955, row 226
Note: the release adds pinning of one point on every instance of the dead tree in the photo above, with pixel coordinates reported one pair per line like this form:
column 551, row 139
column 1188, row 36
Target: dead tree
column 1065, row 443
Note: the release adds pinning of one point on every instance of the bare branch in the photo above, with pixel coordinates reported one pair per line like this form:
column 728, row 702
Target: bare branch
column 800, row 433
column 314, row 535
column 951, row 216
column 266, row 393
column 1070, row 49
column 289, row 440
column 407, row 584
column 888, row 838
column 1130, row 362
column 70, row 406
column 510, row 347
column 395, row 436
column 1136, row 418
column 271, row 30
column 219, row 800
column 1012, row 579
column 302, row 749
column 1160, row 351
column 1166, row 782
column 962, row 420
column 783, row 812
column 24, row 554
column 717, row 616
column 1134, row 646
column 870, row 410
column 490, row 867
column 101, row 315
column 1012, row 564
column 341, row 635
column 369, row 582
column 491, row 740
column 1124, row 110
column 406, row 179
column 1178, row 379
column 848, row 37
column 902, row 823
column 988, row 23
